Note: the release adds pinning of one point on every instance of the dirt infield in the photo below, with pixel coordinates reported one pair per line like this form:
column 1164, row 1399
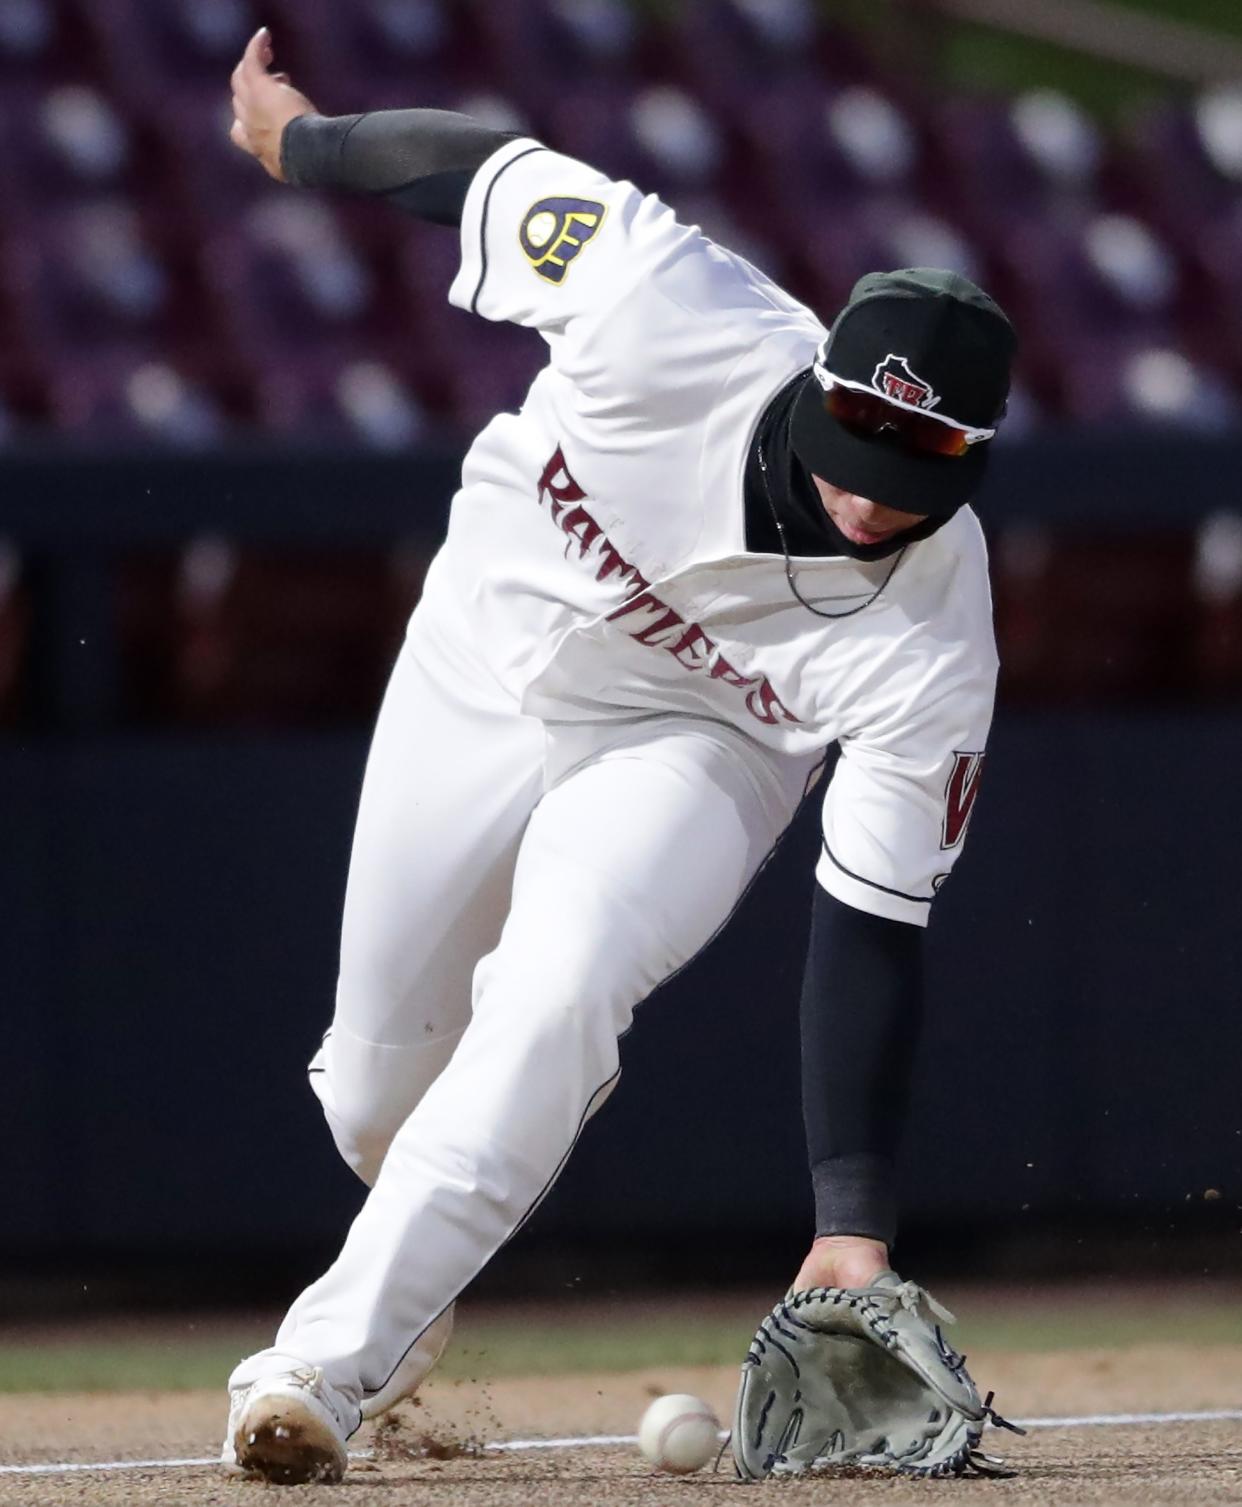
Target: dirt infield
column 1151, row 1463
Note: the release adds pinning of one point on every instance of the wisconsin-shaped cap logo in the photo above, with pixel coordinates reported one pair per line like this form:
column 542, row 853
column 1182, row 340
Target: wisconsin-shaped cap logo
column 894, row 379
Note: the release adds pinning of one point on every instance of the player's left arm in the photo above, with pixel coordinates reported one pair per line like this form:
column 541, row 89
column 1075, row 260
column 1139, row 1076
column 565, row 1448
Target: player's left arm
column 860, row 1017
column 894, row 821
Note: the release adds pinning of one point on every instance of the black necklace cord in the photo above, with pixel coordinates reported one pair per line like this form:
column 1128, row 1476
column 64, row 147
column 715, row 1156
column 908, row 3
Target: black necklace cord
column 789, row 571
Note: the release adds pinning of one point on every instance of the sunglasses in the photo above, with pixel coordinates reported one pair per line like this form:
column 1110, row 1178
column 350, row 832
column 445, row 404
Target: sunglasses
column 862, row 411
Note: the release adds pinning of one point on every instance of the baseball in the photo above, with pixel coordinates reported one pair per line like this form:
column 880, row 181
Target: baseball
column 679, row 1433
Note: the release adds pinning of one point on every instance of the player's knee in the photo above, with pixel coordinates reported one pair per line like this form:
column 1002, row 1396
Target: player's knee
column 369, row 1089
column 363, row 1153
column 361, row 1130
column 361, row 1139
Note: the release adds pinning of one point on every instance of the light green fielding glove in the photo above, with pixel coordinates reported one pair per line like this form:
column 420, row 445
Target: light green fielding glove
column 859, row 1376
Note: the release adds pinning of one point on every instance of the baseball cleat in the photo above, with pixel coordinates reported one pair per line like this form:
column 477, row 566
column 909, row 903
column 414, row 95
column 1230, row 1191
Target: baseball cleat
column 284, row 1429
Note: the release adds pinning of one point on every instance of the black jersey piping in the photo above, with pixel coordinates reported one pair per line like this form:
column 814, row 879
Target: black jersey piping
column 487, row 204
column 900, row 894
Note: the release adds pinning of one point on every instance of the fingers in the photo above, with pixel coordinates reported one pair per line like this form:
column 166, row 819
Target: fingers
column 263, row 103
column 258, row 51
column 255, row 61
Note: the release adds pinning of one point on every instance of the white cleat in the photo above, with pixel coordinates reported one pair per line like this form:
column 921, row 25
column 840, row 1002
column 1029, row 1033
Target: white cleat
column 413, row 1368
column 284, row 1429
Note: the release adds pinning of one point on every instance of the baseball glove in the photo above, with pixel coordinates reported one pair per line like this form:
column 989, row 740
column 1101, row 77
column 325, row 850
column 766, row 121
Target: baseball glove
column 859, row 1376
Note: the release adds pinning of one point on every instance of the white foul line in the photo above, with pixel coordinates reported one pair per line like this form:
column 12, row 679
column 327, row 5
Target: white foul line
column 64, row 1468
column 1114, row 1420
column 586, row 1441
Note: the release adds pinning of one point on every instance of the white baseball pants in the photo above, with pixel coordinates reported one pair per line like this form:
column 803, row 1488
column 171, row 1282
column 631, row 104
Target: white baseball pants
column 515, row 890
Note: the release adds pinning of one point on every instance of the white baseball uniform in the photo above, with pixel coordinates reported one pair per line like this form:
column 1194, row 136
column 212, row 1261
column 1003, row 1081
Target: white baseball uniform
column 604, row 715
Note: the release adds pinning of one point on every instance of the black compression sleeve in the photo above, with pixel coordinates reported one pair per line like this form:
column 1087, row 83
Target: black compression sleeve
column 862, row 1006
column 421, row 160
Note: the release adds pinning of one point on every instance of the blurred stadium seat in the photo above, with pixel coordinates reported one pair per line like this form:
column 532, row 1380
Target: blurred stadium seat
column 158, row 290
column 68, row 144
column 722, row 47
column 1191, row 156
column 95, row 278
column 363, row 403
column 44, row 42
column 128, row 401
column 225, row 635
column 133, row 227
column 1218, row 593
column 14, row 630
column 378, row 53
column 154, row 45
column 854, row 142
column 1124, row 623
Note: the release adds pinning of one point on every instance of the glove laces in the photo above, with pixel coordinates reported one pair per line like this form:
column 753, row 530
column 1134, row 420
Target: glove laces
column 912, row 1297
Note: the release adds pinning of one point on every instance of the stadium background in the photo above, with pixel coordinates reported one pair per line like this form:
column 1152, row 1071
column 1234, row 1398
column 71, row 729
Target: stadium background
column 230, row 421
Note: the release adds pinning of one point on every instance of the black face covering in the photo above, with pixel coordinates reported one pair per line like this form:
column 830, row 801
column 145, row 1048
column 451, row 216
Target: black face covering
column 790, row 495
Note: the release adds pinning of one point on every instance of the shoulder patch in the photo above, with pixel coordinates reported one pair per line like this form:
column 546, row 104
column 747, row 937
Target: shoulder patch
column 554, row 231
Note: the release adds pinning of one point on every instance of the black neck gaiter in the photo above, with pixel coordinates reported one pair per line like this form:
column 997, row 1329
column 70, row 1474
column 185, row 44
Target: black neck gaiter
column 790, row 494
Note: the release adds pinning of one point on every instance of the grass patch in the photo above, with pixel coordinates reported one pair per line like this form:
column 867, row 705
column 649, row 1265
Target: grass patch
column 1214, row 15
column 182, row 1356
column 1104, row 1322
column 976, row 57
column 111, row 1363
column 179, row 1354
column 503, row 1348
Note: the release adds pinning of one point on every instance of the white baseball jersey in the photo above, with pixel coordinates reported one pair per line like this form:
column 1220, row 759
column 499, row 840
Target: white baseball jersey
column 596, row 550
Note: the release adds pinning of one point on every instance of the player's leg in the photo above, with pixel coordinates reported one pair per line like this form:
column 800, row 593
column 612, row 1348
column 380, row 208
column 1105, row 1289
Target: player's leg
column 452, row 776
column 453, row 773
column 626, row 869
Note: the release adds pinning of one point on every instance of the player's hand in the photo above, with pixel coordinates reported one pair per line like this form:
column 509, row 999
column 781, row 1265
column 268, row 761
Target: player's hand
column 263, row 104
column 842, row 1261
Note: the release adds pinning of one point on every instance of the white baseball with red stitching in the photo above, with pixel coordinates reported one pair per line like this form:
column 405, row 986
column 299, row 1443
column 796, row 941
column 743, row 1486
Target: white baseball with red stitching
column 679, row 1433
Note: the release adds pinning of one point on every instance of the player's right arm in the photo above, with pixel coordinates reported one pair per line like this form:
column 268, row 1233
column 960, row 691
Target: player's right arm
column 421, row 160
column 547, row 241
column 263, row 105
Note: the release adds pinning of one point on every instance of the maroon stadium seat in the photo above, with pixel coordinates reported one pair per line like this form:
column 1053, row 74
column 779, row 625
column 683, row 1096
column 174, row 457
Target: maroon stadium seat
column 224, row 635
column 756, row 118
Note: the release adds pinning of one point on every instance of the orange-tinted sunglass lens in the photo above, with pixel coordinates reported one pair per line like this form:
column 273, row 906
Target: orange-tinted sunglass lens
column 869, row 415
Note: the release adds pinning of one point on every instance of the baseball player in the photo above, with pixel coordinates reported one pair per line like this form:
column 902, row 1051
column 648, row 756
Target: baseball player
column 717, row 539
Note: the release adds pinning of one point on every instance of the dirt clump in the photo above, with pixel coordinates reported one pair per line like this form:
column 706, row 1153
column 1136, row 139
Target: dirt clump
column 397, row 1436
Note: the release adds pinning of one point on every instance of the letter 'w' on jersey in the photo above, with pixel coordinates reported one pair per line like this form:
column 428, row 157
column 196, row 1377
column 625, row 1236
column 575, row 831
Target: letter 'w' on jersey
column 959, row 796
column 554, row 231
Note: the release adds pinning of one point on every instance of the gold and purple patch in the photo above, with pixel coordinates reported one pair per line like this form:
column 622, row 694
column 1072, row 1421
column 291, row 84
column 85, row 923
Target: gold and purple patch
column 555, row 231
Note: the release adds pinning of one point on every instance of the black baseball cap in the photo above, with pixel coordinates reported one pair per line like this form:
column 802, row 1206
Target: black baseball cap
column 917, row 361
